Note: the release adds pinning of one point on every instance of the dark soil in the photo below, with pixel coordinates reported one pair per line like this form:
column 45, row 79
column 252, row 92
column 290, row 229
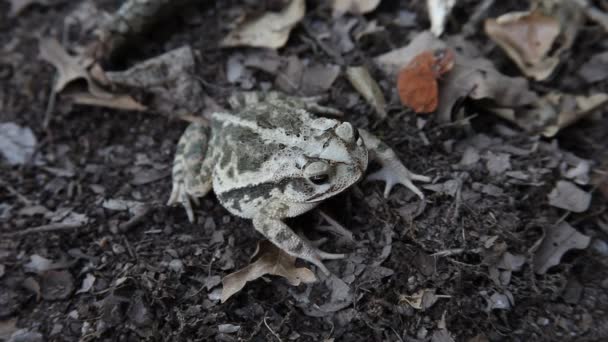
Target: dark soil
column 157, row 279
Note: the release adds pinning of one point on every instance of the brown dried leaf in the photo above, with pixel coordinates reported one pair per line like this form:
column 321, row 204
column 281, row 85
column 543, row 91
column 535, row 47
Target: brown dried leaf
column 571, row 108
column 527, row 38
column 271, row 30
column 69, row 68
column 558, row 240
column 270, row 260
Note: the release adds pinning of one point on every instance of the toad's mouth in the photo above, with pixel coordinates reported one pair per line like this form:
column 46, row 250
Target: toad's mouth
column 335, row 189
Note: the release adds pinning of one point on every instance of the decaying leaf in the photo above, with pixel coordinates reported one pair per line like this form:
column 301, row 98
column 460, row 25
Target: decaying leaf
column 269, row 260
column 353, row 6
column 527, row 37
column 417, row 82
column 595, row 69
column 56, row 285
column 360, row 78
column 566, row 195
column 17, row 143
column 558, row 240
column 439, row 10
column 271, row 30
column 422, row 299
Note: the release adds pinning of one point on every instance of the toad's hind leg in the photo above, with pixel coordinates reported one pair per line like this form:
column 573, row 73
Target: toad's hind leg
column 192, row 168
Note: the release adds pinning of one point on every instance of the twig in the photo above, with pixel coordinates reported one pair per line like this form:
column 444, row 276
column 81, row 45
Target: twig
column 16, row 193
column 136, row 219
column 272, row 331
column 479, row 13
column 454, row 251
column 48, row 228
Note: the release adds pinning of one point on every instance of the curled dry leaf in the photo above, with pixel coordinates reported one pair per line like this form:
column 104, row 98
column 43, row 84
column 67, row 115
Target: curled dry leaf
column 439, row 10
column 417, row 82
column 270, row 260
column 558, row 240
column 270, row 30
column 353, row 6
column 360, row 78
column 527, row 38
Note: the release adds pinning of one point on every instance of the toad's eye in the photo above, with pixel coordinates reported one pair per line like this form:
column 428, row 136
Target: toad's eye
column 319, row 179
column 317, row 172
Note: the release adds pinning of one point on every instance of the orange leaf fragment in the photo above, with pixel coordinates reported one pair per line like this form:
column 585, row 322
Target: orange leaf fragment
column 417, row 82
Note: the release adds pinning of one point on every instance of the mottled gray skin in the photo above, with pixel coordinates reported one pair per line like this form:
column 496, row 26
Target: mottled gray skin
column 272, row 159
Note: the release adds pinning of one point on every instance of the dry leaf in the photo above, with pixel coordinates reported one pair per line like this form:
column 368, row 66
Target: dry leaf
column 17, row 143
column 417, row 82
column 422, row 299
column 353, row 6
column 558, row 240
column 566, row 195
column 124, row 102
column 7, row 328
column 17, row 6
column 363, row 82
column 568, row 114
column 69, row 68
column 87, row 283
column 271, row 30
column 535, row 39
column 270, row 260
column 439, row 10
column 527, row 38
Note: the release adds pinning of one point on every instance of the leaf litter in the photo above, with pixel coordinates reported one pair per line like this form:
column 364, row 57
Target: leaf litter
column 349, row 292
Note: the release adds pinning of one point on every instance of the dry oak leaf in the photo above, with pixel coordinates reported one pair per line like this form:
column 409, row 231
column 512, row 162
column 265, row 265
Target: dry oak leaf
column 417, row 82
column 270, row 260
column 270, row 30
column 527, row 38
column 558, row 240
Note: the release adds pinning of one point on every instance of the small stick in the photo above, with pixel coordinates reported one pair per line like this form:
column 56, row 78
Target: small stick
column 48, row 228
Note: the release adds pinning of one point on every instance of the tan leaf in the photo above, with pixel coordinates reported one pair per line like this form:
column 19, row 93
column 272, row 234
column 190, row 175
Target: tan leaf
column 527, row 38
column 270, row 260
column 568, row 115
column 360, row 78
column 353, row 6
column 558, row 240
column 270, row 30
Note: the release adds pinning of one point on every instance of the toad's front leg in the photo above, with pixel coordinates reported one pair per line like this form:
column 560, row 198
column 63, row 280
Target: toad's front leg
column 392, row 171
column 268, row 222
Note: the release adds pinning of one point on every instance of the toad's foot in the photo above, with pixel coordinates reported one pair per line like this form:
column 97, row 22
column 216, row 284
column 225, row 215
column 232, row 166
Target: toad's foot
column 398, row 174
column 283, row 237
column 179, row 195
column 392, row 171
